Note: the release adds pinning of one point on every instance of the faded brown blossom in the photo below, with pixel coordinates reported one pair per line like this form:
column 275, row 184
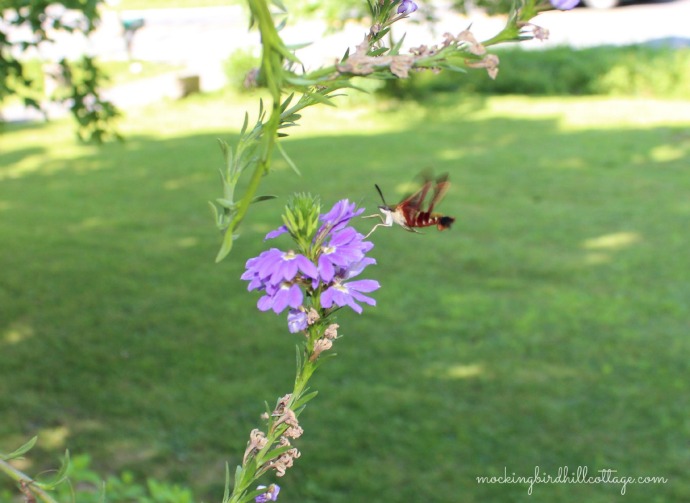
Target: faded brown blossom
column 533, row 30
column 282, row 404
column 326, row 342
column 331, row 331
column 320, row 346
column 312, row 316
column 285, row 460
column 400, row 65
column 424, row 51
column 294, row 430
column 474, row 46
column 257, row 441
column 360, row 63
column 490, row 62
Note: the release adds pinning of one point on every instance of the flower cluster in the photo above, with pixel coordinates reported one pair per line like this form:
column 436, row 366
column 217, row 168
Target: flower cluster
column 311, row 282
column 322, row 272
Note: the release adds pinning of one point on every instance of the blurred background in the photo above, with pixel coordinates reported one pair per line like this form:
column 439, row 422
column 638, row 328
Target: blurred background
column 548, row 328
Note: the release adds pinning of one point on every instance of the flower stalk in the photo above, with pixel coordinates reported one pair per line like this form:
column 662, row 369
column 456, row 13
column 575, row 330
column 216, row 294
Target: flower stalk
column 313, row 282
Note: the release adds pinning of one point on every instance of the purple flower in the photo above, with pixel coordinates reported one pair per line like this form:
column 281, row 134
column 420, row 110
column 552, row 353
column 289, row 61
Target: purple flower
column 565, row 4
column 274, row 266
column 348, row 294
column 344, row 248
column 297, row 320
column 274, row 272
column 340, row 215
column 275, row 233
column 407, row 7
column 286, row 294
column 270, row 495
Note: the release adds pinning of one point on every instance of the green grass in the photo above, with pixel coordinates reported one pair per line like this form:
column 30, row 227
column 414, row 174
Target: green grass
column 549, row 327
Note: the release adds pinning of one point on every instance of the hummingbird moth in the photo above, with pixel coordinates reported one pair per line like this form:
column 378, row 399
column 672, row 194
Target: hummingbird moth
column 410, row 213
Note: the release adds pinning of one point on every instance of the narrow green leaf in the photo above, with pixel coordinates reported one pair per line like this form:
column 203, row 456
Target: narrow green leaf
column 395, row 50
column 295, row 47
column 245, row 123
column 371, row 8
column 299, row 361
column 226, row 246
column 304, row 399
column 61, row 475
column 379, row 51
column 286, row 102
column 226, row 203
column 345, row 56
column 289, row 219
column 258, row 199
column 300, row 81
column 278, row 450
column 292, row 165
column 226, row 493
column 216, row 217
column 320, row 98
column 20, row 451
column 238, row 475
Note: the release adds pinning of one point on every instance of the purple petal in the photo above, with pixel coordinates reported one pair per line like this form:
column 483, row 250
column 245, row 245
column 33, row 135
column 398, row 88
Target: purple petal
column 355, row 307
column 280, row 300
column 306, row 266
column 565, row 4
column 327, row 297
column 297, row 320
column 265, row 303
column 326, row 269
column 364, row 285
column 340, row 214
column 294, row 296
column 356, row 268
column 359, row 297
column 407, row 7
column 275, row 233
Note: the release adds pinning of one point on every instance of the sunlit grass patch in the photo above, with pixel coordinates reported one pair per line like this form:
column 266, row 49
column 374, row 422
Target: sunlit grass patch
column 548, row 327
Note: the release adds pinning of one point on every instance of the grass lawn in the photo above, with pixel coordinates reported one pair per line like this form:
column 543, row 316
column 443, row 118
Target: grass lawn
column 548, row 328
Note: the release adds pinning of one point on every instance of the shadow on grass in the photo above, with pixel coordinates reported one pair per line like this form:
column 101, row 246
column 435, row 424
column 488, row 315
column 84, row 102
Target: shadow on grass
column 548, row 328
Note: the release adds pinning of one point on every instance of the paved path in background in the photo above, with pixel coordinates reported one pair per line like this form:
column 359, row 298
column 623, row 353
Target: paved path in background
column 201, row 39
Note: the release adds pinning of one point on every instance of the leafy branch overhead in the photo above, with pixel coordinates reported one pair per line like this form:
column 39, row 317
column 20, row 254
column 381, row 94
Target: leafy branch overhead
column 79, row 80
column 282, row 73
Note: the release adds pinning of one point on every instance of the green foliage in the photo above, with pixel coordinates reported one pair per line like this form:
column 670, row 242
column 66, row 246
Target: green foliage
column 86, row 486
column 549, row 326
column 81, row 79
column 659, row 72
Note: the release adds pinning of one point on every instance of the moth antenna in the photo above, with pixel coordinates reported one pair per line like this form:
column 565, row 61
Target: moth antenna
column 381, row 194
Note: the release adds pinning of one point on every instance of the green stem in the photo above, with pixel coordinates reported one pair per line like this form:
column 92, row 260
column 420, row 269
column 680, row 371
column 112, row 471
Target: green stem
column 273, row 51
column 21, row 477
column 303, row 374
